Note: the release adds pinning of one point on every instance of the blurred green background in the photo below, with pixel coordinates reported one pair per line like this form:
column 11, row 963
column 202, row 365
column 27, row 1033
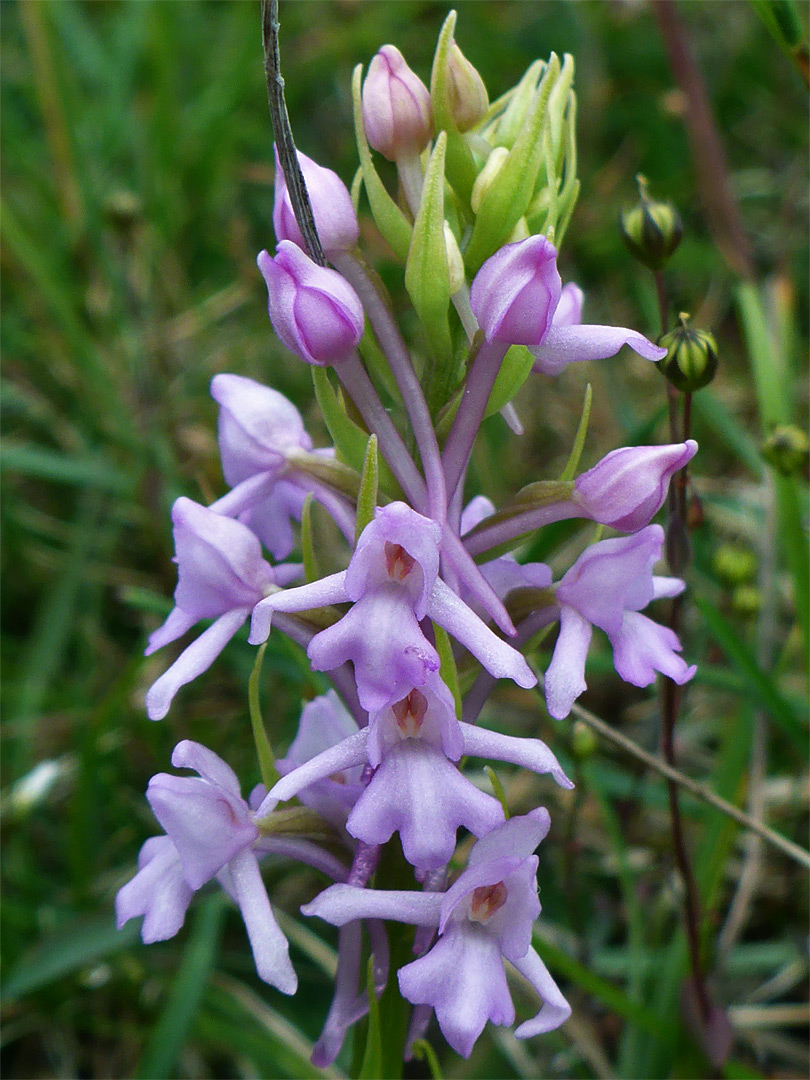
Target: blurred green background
column 137, row 190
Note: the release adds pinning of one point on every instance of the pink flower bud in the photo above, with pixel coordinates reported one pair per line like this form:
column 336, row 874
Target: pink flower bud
column 628, row 486
column 515, row 293
column 396, row 106
column 315, row 312
column 332, row 207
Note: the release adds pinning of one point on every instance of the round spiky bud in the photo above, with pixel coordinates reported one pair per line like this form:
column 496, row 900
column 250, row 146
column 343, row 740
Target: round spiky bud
column 735, row 564
column 651, row 229
column 691, row 359
column 787, row 449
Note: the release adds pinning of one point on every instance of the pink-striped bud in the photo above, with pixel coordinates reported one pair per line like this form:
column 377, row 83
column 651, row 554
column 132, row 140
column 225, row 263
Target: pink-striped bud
column 332, row 208
column 515, row 293
column 315, row 312
column 396, row 106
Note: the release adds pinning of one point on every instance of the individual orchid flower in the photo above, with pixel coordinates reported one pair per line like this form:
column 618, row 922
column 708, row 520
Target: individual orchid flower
column 221, row 575
column 210, row 832
column 392, row 580
column 261, row 434
column 396, row 106
column 417, row 789
column 607, row 587
column 516, row 297
column 484, row 918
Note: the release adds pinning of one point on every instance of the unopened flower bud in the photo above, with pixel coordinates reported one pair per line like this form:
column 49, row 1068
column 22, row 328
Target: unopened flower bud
column 734, row 564
column 515, row 293
column 691, row 360
column 746, row 600
column 315, row 312
column 628, row 486
column 455, row 263
column 651, row 230
column 486, row 178
column 787, row 449
column 332, row 208
column 396, row 106
column 466, row 92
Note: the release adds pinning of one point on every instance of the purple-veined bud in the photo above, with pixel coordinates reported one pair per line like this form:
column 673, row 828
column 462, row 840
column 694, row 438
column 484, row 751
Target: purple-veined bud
column 315, row 312
column 515, row 293
column 332, row 208
column 396, row 106
column 628, row 486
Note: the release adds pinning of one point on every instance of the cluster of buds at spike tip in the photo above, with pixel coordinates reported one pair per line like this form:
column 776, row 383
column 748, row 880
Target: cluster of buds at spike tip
column 466, row 92
column 691, row 359
column 651, row 229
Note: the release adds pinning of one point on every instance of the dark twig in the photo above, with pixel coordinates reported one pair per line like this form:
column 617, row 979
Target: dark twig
column 282, row 133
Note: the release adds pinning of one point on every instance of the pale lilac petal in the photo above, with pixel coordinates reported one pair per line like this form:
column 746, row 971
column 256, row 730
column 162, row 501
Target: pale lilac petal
column 271, row 518
column 341, row 904
column 271, row 952
column 417, row 792
column 613, row 575
column 345, row 755
column 193, row 661
column 569, row 309
column 565, row 676
column 439, row 725
column 642, row 648
column 245, row 495
column 220, row 564
column 177, row 624
column 257, row 426
column 499, row 658
column 463, row 978
column 519, row 836
column 158, row 891
column 303, row 851
column 381, row 637
column 528, row 753
column 206, row 824
column 567, row 344
column 210, row 766
column 667, row 586
column 555, row 1009
column 477, row 510
column 348, row 1006
column 320, row 593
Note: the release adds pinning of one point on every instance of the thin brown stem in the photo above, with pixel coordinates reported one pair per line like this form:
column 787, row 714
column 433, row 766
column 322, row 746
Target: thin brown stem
column 282, row 133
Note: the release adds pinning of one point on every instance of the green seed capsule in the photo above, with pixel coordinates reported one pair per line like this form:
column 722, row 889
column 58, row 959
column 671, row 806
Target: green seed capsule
column 691, row 360
column 651, row 230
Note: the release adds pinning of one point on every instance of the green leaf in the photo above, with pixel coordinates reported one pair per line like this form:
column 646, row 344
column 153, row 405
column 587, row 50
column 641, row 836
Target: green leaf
column 91, row 471
column 515, row 369
column 759, row 685
column 169, row 1035
column 264, row 750
column 447, row 665
column 349, row 439
column 371, row 1067
column 388, row 217
column 311, row 569
column 369, row 483
column 572, row 464
column 79, row 943
column 427, row 277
